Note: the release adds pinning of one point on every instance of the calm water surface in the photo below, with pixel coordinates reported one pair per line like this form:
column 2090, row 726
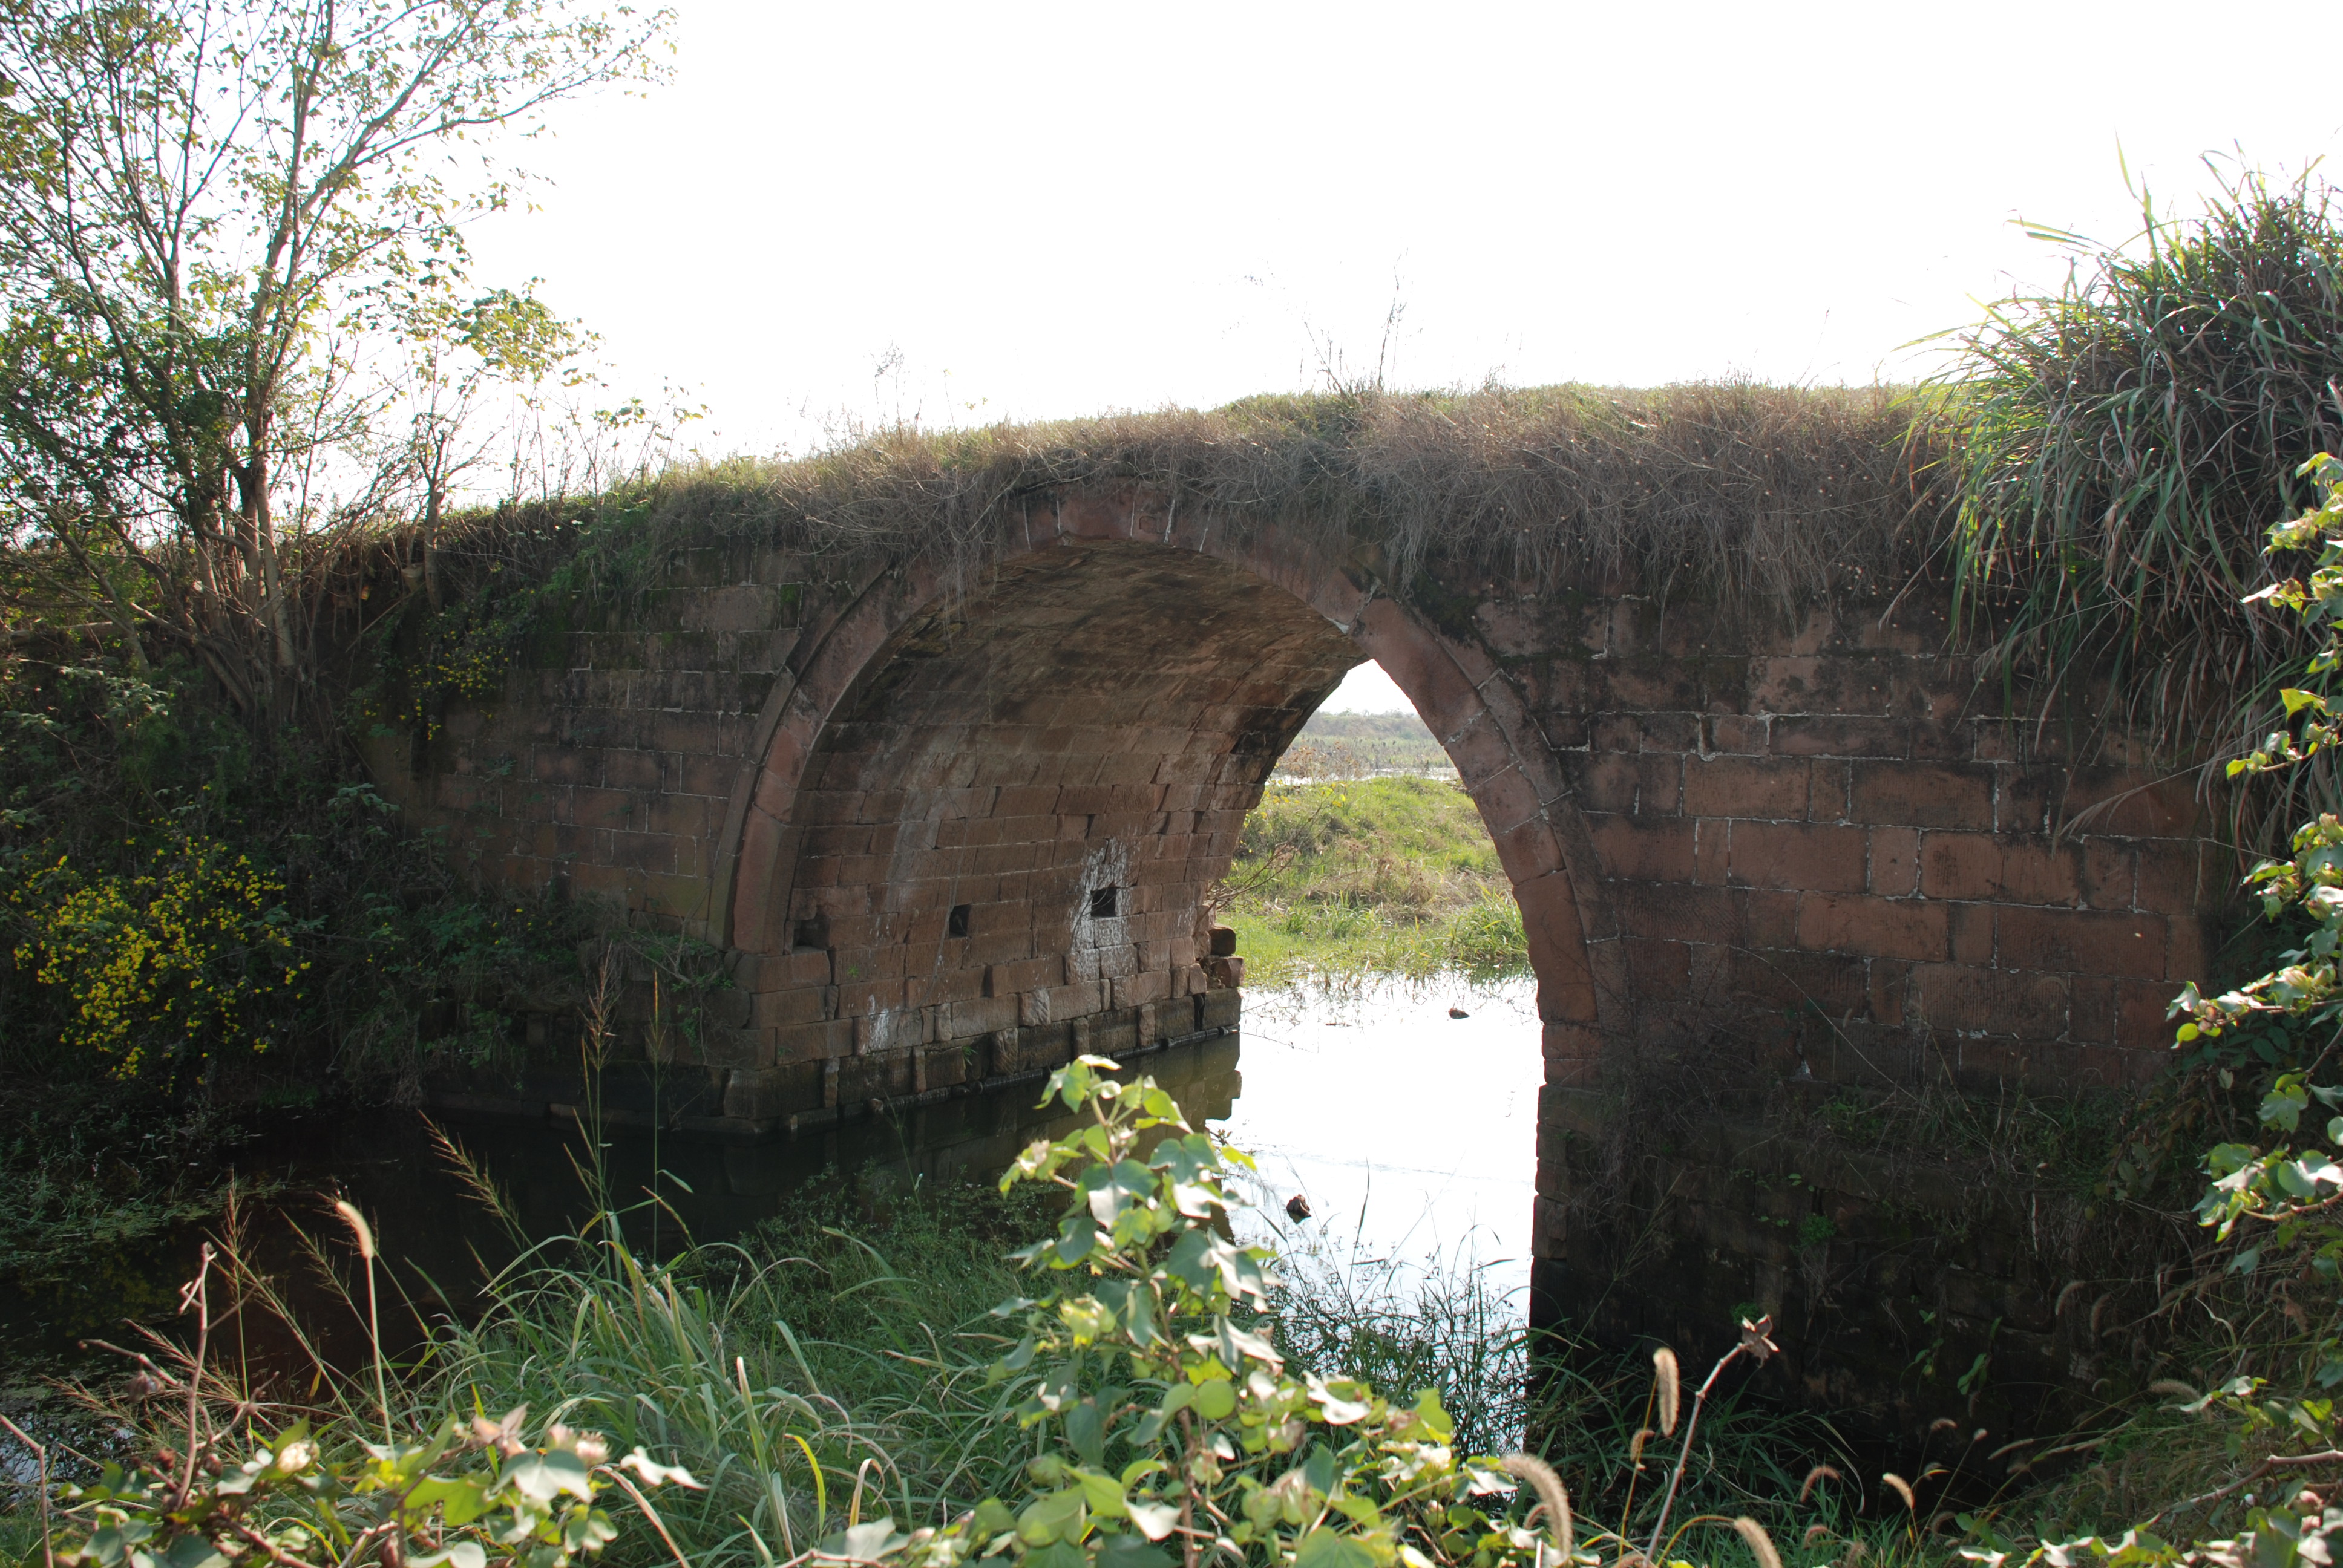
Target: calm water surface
column 1410, row 1132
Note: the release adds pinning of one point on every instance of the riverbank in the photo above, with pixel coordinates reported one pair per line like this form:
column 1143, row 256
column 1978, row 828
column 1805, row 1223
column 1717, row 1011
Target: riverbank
column 843, row 1350
column 1353, row 877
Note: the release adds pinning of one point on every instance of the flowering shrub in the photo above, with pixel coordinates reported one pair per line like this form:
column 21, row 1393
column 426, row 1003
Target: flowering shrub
column 461, row 651
column 178, row 956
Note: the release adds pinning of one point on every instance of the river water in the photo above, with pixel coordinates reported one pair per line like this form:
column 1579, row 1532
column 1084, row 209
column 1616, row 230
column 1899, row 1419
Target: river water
column 1410, row 1132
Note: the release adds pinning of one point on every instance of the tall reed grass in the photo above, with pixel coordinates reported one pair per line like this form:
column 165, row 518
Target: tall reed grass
column 832, row 1365
column 2123, row 445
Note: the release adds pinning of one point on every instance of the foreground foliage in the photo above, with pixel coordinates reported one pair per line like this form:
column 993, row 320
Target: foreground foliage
column 1135, row 1409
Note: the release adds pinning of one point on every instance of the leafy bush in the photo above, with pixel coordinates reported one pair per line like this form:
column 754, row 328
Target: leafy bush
column 181, row 896
column 175, row 958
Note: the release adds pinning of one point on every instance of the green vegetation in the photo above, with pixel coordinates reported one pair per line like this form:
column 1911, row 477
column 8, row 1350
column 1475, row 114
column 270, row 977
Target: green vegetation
column 2120, row 448
column 1134, row 1388
column 233, row 267
column 233, row 260
column 1369, row 876
column 207, row 910
column 191, row 909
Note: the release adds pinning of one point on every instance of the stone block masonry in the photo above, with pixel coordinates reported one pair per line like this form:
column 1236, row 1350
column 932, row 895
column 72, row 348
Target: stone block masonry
column 944, row 833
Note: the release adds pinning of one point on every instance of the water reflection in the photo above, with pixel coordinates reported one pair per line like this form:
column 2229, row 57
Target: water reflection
column 1411, row 1131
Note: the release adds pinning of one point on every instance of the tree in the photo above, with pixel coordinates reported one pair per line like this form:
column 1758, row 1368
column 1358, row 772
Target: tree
column 210, row 210
column 453, row 354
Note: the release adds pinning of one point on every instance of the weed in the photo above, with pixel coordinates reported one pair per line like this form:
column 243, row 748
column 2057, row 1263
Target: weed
column 2122, row 446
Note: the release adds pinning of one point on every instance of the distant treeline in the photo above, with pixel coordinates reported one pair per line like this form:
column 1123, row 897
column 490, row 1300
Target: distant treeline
column 1354, row 744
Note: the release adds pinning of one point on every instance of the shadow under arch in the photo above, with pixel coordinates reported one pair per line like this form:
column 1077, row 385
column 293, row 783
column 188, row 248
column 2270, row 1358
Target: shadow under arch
column 980, row 824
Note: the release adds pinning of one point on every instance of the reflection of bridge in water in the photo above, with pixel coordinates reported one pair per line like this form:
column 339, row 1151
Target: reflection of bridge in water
column 436, row 1232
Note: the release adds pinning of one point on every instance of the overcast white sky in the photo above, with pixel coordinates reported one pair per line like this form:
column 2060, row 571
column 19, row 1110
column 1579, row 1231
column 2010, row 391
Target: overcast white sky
column 1034, row 210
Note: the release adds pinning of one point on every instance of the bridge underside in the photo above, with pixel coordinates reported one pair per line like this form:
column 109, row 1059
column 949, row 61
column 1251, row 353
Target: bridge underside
column 999, row 849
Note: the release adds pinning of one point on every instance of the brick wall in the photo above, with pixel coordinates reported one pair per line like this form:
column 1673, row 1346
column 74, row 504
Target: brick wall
column 1843, row 891
column 1833, row 818
column 947, row 836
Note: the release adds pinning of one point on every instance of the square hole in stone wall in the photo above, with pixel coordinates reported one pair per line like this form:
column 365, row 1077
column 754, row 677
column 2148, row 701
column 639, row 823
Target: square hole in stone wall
column 1103, row 903
column 956, row 923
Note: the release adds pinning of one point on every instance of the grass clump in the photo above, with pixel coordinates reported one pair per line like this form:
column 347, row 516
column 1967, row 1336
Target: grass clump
column 2122, row 447
column 1371, row 875
column 1758, row 497
column 842, row 1364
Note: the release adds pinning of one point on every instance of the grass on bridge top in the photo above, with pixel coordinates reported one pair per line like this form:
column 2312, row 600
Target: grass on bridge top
column 1745, row 494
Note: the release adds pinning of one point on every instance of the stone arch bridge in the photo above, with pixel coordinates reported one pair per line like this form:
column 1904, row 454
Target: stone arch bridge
column 945, row 836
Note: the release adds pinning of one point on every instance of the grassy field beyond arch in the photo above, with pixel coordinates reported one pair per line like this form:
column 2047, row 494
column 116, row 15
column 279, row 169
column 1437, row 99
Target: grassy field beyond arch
column 1365, row 875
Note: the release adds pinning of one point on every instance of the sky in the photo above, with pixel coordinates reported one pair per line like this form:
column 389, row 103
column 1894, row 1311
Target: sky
column 834, row 215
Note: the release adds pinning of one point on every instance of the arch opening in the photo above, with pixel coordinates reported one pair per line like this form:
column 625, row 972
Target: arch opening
column 990, row 850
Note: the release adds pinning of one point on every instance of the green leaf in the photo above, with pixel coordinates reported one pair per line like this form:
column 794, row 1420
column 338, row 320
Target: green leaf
column 462, row 1554
column 1134, row 1303
column 1125, row 1550
column 1326, row 1547
column 460, row 1499
column 2283, row 1106
column 1104, row 1493
column 542, row 1477
column 1216, row 1400
column 1086, row 1432
column 1110, row 1190
column 1060, row 1516
column 1190, row 1158
column 191, row 1551
column 1077, row 1238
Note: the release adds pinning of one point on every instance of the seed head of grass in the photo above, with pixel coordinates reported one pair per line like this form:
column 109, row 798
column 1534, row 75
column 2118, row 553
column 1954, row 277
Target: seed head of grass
column 1761, row 1546
column 1550, row 1493
column 1664, row 1361
column 360, row 1231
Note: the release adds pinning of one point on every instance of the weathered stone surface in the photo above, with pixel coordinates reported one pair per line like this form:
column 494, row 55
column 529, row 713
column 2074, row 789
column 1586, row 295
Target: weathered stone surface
column 946, row 832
